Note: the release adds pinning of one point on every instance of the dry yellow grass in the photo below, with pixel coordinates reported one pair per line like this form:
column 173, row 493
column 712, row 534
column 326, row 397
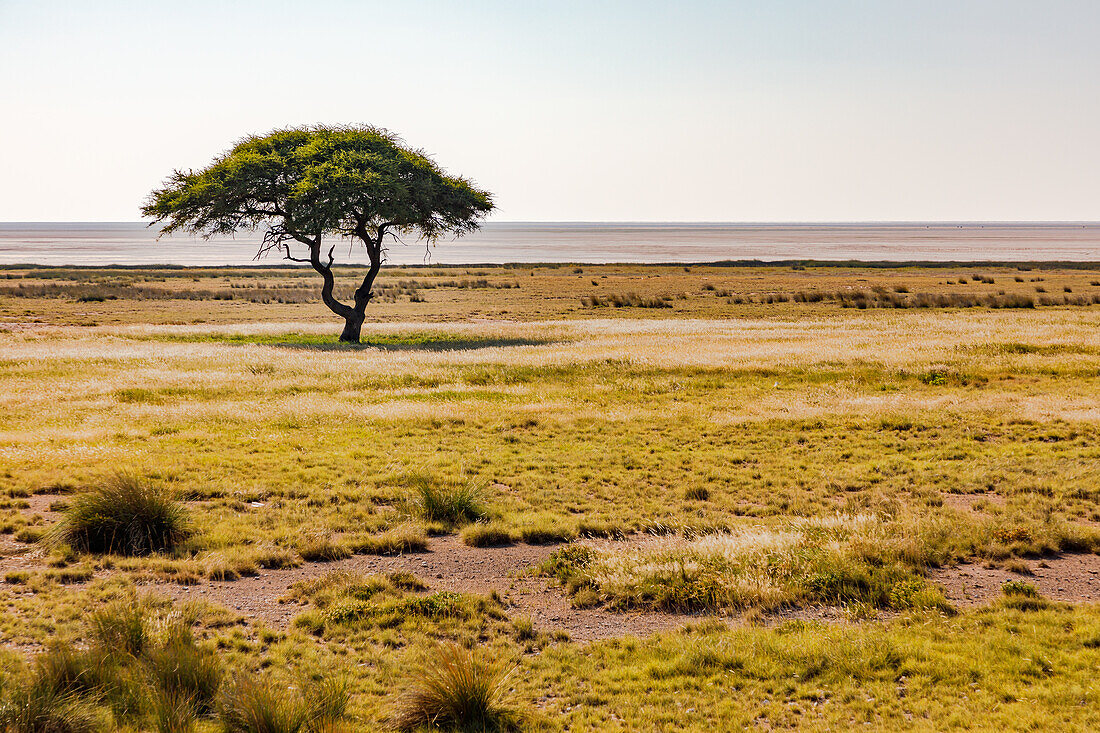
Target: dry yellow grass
column 787, row 452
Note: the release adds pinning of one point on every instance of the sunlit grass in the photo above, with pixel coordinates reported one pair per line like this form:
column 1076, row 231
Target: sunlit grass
column 738, row 456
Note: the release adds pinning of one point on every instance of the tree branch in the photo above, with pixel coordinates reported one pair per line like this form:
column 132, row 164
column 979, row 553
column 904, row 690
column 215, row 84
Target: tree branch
column 334, row 305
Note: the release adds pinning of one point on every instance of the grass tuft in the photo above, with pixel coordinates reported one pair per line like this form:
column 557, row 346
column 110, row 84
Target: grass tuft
column 487, row 535
column 123, row 516
column 248, row 706
column 321, row 547
column 452, row 504
column 185, row 675
column 41, row 708
column 697, row 493
column 121, row 628
column 395, row 541
column 456, row 689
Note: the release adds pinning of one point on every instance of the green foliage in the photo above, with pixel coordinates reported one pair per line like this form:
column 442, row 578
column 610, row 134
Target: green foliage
column 123, row 515
column 1019, row 588
column 317, row 181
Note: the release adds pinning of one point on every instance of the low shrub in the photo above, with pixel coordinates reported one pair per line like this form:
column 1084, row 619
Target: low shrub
column 321, row 547
column 406, row 581
column 487, row 535
column 391, row 542
column 124, row 516
column 1019, row 589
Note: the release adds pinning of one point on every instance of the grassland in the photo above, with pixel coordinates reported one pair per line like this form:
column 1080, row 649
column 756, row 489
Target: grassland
column 748, row 445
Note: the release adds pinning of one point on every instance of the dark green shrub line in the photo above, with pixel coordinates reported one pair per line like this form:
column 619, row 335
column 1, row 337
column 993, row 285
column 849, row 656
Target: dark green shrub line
column 626, row 300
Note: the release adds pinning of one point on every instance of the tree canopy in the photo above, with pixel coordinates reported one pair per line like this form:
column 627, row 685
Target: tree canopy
column 301, row 185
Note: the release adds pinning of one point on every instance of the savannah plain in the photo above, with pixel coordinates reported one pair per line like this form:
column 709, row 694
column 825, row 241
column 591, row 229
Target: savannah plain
column 819, row 497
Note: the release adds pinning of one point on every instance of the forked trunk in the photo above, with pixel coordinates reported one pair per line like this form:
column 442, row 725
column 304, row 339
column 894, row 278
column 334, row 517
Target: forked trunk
column 353, row 315
column 352, row 326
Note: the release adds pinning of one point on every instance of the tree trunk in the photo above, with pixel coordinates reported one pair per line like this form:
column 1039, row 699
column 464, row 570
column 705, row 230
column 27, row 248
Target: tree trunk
column 352, row 326
column 353, row 315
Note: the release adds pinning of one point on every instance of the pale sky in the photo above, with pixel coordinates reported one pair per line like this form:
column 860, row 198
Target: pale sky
column 773, row 110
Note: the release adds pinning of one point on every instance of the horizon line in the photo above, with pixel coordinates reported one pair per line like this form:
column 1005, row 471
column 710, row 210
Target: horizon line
column 703, row 222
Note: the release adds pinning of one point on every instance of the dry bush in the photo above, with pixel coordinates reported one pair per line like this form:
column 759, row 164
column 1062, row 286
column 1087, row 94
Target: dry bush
column 124, row 516
column 456, row 689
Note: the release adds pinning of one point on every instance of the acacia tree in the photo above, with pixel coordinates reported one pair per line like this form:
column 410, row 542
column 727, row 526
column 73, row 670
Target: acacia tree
column 302, row 185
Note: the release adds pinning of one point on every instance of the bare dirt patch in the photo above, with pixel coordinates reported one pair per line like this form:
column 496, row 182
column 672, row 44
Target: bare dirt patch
column 43, row 504
column 1066, row 578
column 447, row 565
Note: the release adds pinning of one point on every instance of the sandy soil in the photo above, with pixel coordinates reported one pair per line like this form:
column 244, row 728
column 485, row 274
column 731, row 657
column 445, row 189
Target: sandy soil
column 447, row 565
column 1068, row 578
column 450, row 565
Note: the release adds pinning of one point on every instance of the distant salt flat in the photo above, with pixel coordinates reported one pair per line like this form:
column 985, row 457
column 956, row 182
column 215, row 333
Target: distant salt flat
column 133, row 243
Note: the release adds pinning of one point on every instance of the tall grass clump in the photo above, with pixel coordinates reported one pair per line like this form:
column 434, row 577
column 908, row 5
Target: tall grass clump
column 62, row 692
column 185, row 675
column 42, row 708
column 456, row 689
column 451, row 504
column 487, row 535
column 143, row 665
column 250, row 706
column 393, row 541
column 121, row 628
column 124, row 516
column 247, row 706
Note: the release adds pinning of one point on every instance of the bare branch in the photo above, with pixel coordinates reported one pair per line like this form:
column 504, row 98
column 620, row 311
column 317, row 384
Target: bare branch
column 286, row 256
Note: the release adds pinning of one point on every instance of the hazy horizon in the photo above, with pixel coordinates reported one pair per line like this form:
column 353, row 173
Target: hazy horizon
column 673, row 222
column 133, row 243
